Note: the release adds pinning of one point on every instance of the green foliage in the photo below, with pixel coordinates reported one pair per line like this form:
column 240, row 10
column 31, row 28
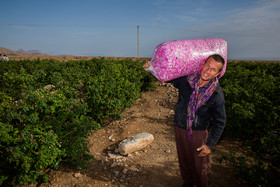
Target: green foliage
column 253, row 107
column 24, row 153
column 40, row 126
column 251, row 169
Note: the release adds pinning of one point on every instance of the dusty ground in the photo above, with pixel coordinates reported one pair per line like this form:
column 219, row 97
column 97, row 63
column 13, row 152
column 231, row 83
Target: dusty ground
column 156, row 165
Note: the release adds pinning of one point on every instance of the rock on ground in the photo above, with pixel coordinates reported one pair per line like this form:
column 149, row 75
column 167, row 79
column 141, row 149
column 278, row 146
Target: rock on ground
column 135, row 143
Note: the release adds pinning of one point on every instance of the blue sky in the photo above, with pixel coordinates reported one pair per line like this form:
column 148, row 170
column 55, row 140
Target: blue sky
column 109, row 27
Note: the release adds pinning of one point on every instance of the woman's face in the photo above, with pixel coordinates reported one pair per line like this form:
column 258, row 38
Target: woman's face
column 211, row 69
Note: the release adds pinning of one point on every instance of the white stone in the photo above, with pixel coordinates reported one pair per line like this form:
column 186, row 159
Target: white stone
column 110, row 137
column 77, row 175
column 135, row 143
column 114, row 164
column 168, row 151
column 125, row 170
column 114, row 156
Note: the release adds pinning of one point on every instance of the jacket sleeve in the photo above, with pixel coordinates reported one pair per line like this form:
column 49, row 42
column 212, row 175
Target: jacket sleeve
column 218, row 113
column 178, row 82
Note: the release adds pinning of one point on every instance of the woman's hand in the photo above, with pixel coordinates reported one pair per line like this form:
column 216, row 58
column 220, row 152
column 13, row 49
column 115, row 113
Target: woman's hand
column 147, row 65
column 204, row 150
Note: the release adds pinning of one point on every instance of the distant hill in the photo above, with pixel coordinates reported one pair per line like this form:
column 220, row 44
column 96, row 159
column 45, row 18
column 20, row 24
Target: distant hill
column 21, row 52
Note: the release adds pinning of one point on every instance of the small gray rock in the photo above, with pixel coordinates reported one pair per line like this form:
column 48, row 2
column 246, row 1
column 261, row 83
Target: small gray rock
column 134, row 143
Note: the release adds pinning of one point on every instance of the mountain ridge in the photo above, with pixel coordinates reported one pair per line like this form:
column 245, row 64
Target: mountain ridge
column 21, row 52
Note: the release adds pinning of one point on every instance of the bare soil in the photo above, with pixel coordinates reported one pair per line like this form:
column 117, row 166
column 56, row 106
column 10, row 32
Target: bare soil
column 156, row 165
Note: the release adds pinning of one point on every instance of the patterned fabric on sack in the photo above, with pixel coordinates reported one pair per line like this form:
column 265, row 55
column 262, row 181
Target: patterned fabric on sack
column 174, row 59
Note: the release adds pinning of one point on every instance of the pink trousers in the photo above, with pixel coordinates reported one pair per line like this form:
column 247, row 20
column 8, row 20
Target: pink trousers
column 194, row 170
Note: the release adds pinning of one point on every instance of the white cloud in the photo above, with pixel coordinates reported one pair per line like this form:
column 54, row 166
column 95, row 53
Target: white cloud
column 265, row 17
column 186, row 18
column 251, row 33
column 160, row 18
column 159, row 2
column 24, row 27
column 84, row 34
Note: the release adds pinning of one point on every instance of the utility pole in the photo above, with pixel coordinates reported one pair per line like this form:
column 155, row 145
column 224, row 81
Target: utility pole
column 138, row 40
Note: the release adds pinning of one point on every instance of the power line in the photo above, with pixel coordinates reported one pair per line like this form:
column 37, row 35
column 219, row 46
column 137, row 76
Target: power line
column 138, row 26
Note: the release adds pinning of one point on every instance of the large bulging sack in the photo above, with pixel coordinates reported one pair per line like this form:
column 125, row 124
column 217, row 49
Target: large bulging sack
column 174, row 59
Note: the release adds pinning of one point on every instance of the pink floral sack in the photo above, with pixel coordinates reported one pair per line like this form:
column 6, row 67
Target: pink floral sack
column 174, row 59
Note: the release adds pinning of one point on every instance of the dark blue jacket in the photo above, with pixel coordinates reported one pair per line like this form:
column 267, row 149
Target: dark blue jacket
column 213, row 111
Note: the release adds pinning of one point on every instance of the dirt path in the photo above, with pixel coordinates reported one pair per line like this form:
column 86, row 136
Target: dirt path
column 156, row 165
